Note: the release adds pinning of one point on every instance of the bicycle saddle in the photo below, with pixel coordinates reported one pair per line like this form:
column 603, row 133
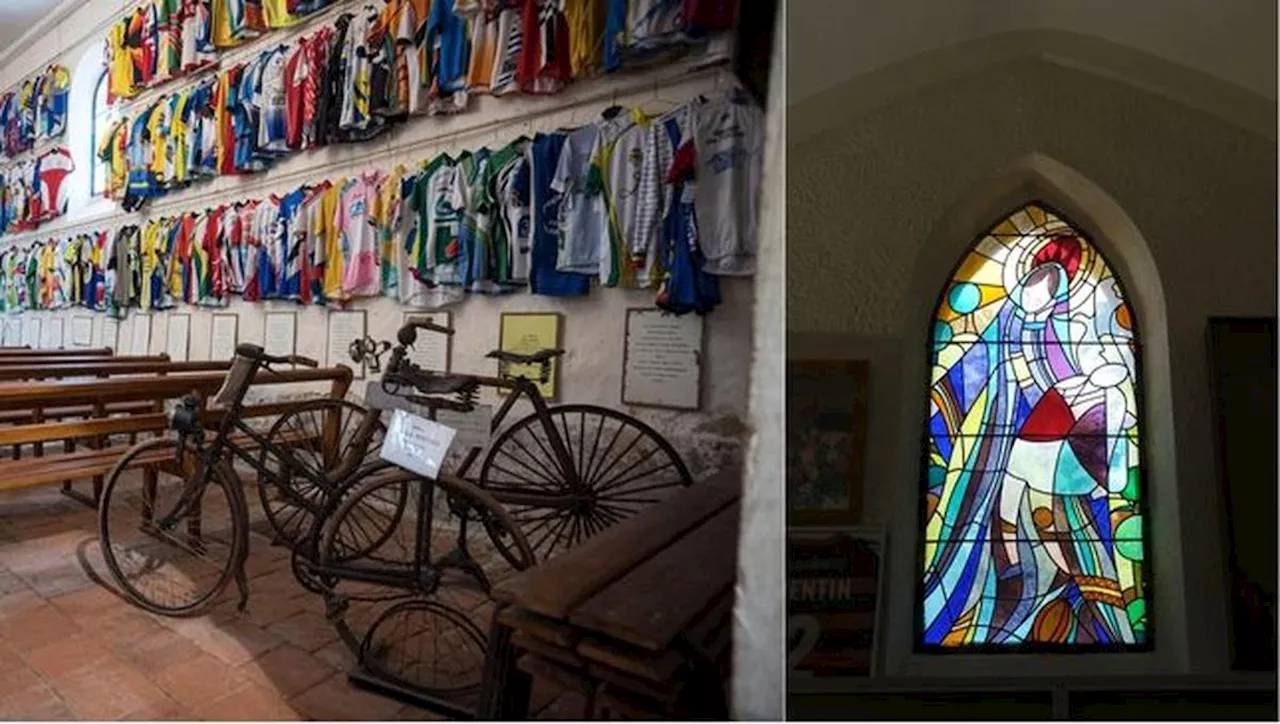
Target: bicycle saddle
column 444, row 384
column 542, row 355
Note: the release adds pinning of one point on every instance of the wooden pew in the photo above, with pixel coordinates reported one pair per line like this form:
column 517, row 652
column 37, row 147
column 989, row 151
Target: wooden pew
column 72, row 352
column 99, row 395
column 101, row 368
column 636, row 618
column 52, row 359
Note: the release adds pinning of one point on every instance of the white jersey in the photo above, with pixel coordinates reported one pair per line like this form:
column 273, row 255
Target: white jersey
column 506, row 58
column 653, row 22
column 272, row 102
column 625, row 169
column 729, row 144
column 584, row 218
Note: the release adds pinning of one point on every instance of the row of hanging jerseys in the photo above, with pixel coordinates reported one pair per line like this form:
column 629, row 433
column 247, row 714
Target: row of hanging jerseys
column 354, row 78
column 665, row 202
column 34, row 191
column 35, row 111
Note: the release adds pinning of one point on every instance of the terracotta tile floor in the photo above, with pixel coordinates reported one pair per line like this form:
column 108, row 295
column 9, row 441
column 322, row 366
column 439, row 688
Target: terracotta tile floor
column 71, row 649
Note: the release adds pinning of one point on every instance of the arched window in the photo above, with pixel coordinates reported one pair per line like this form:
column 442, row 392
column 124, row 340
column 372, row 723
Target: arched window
column 88, row 116
column 98, row 123
column 1033, row 507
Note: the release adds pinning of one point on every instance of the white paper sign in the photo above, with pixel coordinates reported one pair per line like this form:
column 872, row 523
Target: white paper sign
column 56, row 334
column 13, row 332
column 345, row 328
column 111, row 334
column 430, row 350
column 178, row 338
column 31, row 332
column 82, row 331
column 416, row 443
column 278, row 338
column 141, row 335
column 222, row 340
column 663, row 366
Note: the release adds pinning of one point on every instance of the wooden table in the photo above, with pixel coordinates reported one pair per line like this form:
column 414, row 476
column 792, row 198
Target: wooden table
column 636, row 619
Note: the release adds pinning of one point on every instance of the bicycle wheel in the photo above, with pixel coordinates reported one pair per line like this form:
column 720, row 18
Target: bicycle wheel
column 380, row 526
column 624, row 466
column 427, row 646
column 178, row 570
column 301, row 431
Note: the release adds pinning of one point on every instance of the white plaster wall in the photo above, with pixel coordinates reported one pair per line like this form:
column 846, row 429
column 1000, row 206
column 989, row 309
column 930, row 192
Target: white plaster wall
column 592, row 327
column 865, row 200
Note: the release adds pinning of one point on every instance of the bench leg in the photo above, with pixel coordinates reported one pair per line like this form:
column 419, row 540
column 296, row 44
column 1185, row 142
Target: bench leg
column 70, row 492
column 505, row 689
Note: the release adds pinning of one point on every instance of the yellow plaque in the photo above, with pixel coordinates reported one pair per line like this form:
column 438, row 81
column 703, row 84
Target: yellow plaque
column 526, row 333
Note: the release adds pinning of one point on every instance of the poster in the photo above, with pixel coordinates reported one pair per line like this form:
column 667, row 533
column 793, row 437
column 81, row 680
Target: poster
column 140, row 343
column 178, row 337
column 57, row 332
column 279, row 337
column 526, row 333
column 834, row 587
column 81, row 331
column 345, row 328
column 111, row 334
column 826, row 440
column 662, row 360
column 31, row 332
column 223, row 336
column 430, row 350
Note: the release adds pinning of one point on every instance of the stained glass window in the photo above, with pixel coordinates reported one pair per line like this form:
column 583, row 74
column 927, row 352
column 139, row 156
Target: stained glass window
column 1033, row 526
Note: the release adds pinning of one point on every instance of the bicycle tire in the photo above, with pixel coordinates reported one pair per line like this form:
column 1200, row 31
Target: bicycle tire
column 481, row 508
column 114, row 513
column 290, row 522
column 525, row 445
column 388, row 651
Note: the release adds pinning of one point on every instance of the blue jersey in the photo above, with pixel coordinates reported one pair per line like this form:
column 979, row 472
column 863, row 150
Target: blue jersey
column 615, row 34
column 687, row 288
column 290, row 271
column 446, row 29
column 543, row 277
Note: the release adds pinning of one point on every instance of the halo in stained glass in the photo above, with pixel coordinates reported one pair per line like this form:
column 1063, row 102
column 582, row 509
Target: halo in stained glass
column 1033, row 525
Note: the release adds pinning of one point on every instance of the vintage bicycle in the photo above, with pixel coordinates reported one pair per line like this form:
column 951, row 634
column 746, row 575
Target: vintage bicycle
column 340, row 509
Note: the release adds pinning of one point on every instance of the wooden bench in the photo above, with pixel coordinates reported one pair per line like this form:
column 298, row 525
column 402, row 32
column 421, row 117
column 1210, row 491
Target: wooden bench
column 99, row 396
column 72, row 352
column 637, row 619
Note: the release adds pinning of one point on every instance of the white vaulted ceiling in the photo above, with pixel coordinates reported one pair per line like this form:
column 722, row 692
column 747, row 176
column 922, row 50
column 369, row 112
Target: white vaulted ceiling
column 18, row 16
column 836, row 40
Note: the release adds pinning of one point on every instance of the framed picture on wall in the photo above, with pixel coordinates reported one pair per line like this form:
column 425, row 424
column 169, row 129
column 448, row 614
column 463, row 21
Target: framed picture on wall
column 826, row 440
column 526, row 333
column 345, row 327
column 431, row 350
column 662, row 360
column 834, row 590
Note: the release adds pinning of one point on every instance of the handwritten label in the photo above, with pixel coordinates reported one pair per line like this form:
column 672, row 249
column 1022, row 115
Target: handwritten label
column 82, row 331
column 31, row 332
column 111, row 334
column 57, row 334
column 222, row 338
column 664, row 360
column 141, row 341
column 278, row 337
column 416, row 443
column 430, row 350
column 178, row 338
column 345, row 328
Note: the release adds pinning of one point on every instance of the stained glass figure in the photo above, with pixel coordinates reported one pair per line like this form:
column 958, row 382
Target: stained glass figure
column 1032, row 517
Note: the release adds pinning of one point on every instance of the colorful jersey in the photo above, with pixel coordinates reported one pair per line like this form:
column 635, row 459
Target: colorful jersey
column 360, row 244
column 544, row 203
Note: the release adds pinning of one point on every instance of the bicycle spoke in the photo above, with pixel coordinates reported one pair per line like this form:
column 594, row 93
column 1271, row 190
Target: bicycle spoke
column 547, row 454
column 591, row 473
column 551, row 486
column 619, row 458
column 620, row 482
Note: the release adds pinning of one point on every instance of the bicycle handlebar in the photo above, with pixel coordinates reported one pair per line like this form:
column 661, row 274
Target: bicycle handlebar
column 408, row 334
column 256, row 353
